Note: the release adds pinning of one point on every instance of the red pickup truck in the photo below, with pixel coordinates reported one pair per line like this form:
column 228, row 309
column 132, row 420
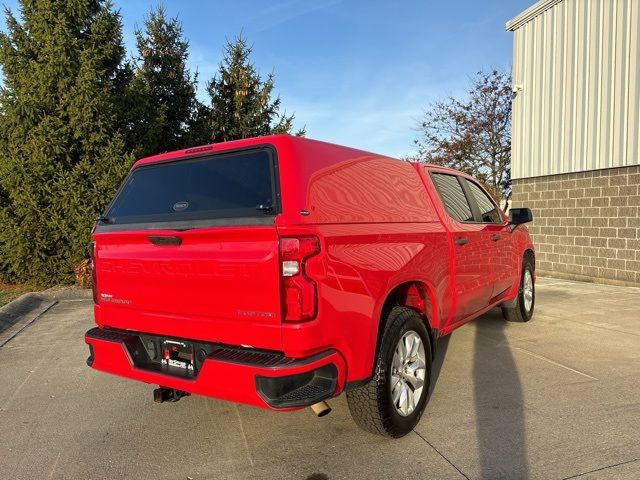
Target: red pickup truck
column 281, row 271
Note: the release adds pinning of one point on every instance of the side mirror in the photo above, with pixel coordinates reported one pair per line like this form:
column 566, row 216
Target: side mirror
column 518, row 216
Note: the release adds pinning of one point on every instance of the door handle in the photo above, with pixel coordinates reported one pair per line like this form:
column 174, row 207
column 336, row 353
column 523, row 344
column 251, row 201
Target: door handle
column 165, row 241
column 495, row 238
column 461, row 241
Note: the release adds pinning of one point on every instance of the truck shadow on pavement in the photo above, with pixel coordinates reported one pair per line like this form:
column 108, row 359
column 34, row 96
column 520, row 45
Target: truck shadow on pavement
column 499, row 402
column 498, row 399
column 442, row 345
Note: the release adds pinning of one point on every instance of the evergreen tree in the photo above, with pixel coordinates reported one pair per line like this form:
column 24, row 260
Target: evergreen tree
column 199, row 129
column 62, row 153
column 165, row 88
column 241, row 103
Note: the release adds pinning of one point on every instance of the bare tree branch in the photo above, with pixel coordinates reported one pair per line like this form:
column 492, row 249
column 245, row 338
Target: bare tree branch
column 473, row 134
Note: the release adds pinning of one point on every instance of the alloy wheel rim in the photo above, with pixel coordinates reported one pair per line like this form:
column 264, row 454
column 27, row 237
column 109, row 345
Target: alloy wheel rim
column 408, row 370
column 527, row 290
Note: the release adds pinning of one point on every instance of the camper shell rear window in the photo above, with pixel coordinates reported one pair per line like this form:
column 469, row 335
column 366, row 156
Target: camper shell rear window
column 190, row 192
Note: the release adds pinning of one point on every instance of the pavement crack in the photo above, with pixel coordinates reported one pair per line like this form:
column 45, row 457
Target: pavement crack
column 535, row 355
column 439, row 453
column 552, row 362
column 55, row 464
column 31, row 372
column 244, row 436
column 603, row 327
column 601, row 469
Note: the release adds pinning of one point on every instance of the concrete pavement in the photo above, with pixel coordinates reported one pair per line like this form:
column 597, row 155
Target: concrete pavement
column 557, row 397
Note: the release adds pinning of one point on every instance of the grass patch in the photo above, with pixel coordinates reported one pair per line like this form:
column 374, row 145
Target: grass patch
column 10, row 292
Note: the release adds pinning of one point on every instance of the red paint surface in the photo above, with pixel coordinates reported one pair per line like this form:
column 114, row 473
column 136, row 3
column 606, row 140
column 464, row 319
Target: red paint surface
column 113, row 358
column 380, row 223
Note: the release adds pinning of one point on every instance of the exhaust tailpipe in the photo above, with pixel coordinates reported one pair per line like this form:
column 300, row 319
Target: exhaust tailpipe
column 321, row 409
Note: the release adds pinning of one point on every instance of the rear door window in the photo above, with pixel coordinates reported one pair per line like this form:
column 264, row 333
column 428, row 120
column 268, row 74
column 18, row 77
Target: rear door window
column 453, row 196
column 233, row 185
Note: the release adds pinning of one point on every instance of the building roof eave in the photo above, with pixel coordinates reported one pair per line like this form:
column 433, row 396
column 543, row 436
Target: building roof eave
column 530, row 13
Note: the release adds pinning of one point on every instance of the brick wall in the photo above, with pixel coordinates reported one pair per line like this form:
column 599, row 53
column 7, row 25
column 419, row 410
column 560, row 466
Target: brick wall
column 586, row 225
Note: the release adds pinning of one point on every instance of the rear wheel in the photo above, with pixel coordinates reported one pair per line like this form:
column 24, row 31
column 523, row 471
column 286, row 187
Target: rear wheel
column 393, row 401
column 522, row 309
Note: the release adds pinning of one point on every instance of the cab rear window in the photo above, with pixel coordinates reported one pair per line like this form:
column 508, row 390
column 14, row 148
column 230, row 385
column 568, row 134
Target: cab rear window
column 229, row 185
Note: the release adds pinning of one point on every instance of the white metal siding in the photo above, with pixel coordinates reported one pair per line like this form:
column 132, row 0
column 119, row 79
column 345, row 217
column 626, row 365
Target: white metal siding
column 578, row 63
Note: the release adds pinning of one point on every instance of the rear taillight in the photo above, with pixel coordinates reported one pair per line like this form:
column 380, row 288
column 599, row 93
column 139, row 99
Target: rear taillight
column 300, row 293
column 94, row 278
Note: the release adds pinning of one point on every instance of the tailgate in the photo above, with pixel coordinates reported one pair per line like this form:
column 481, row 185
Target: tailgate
column 217, row 284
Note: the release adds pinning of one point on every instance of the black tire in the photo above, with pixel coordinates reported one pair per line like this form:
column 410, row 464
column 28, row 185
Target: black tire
column 517, row 311
column 371, row 404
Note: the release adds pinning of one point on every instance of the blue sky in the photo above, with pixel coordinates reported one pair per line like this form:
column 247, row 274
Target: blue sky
column 355, row 72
